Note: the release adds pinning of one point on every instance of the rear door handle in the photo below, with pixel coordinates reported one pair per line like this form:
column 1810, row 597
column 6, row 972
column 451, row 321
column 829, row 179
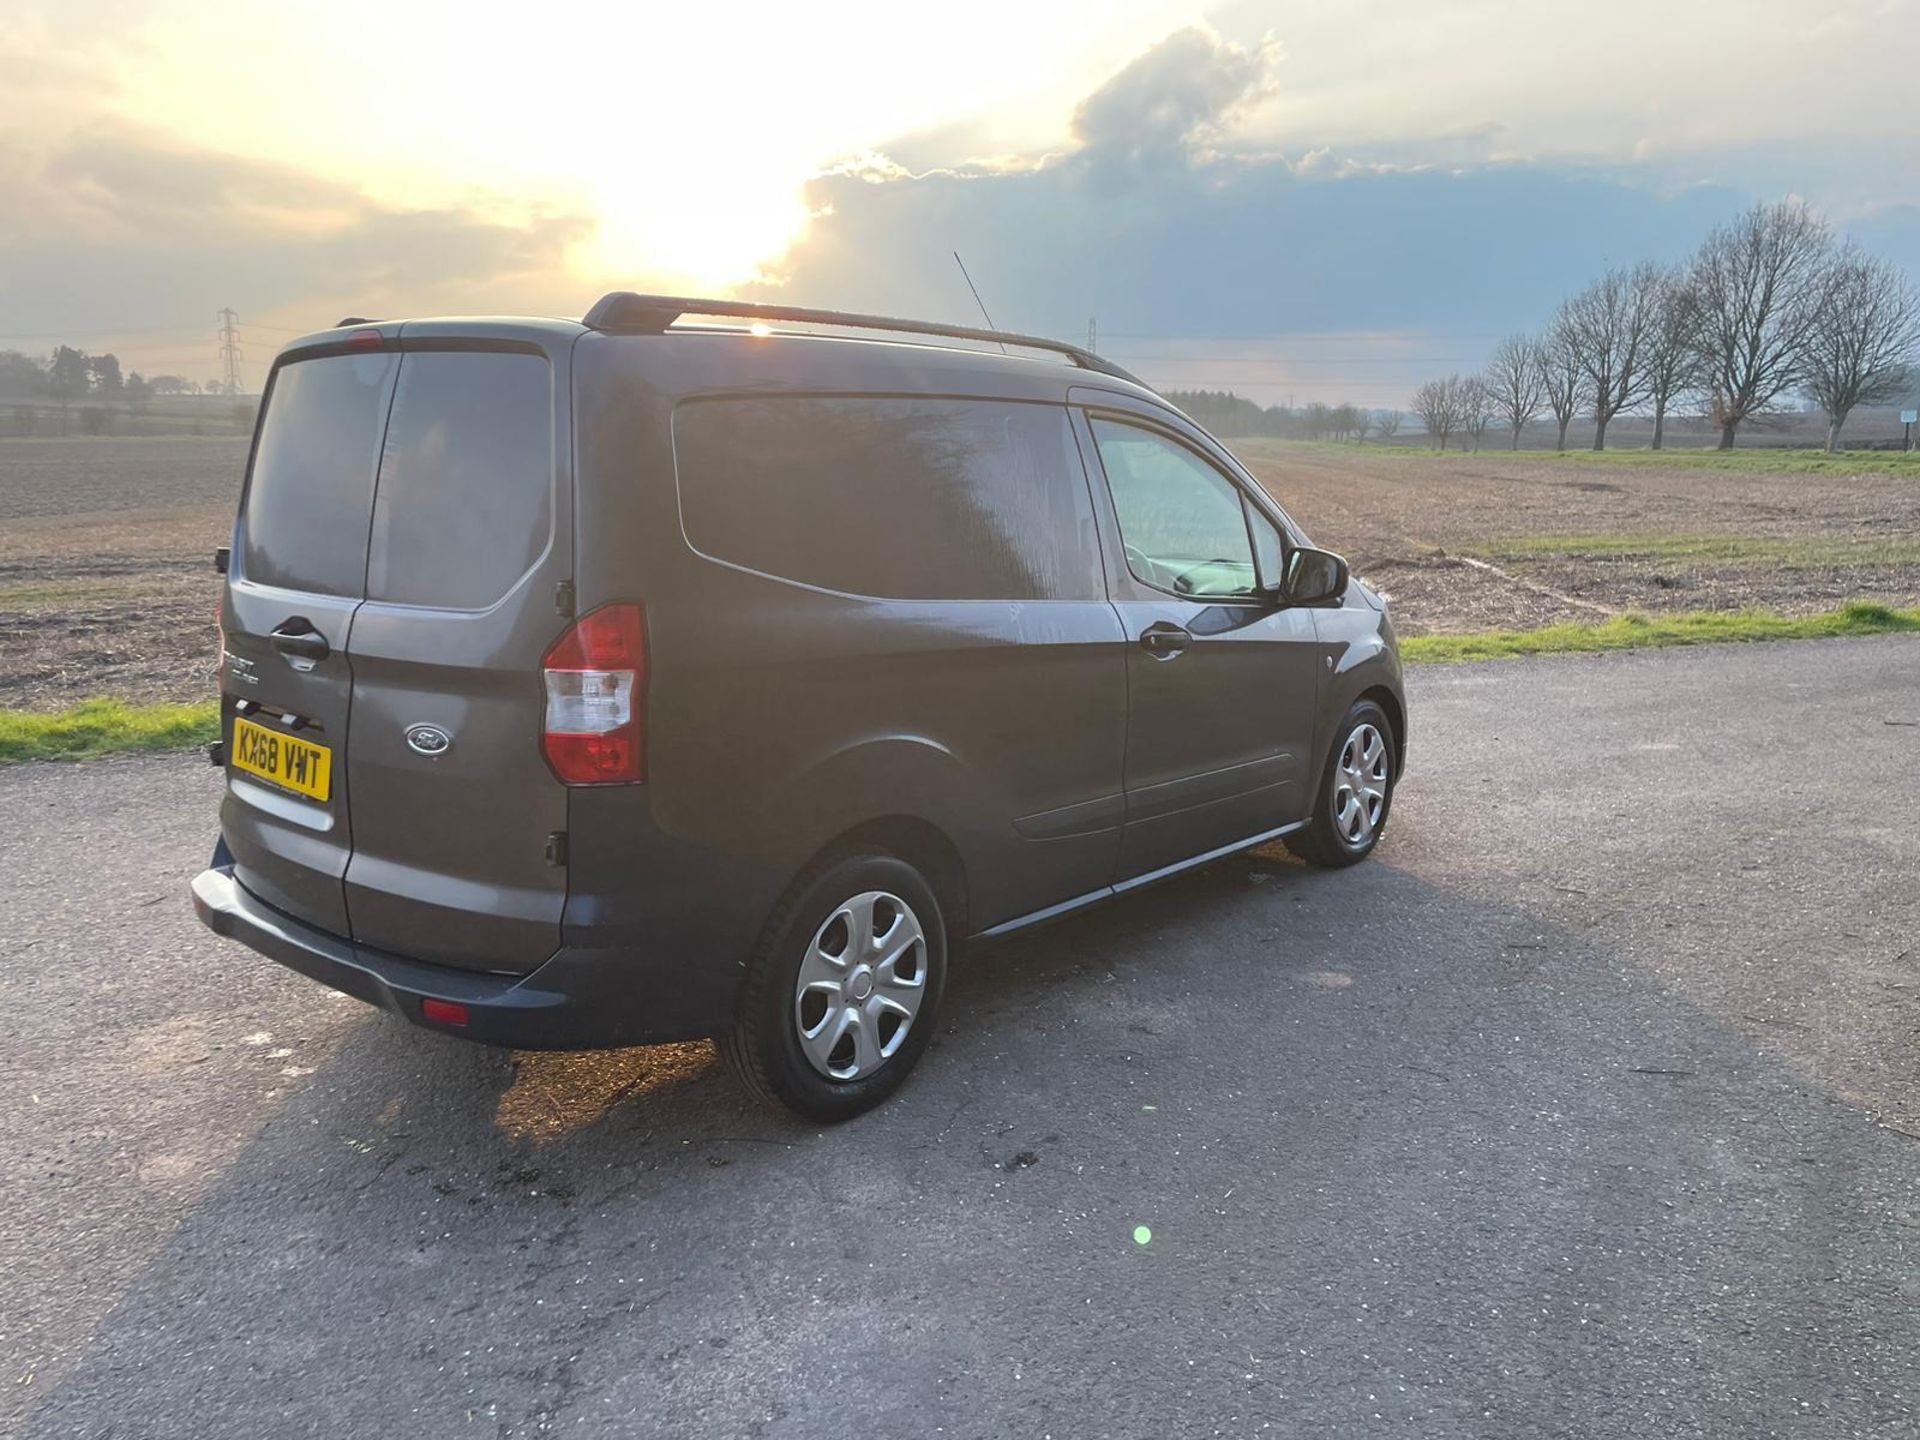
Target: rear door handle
column 1163, row 640
column 298, row 639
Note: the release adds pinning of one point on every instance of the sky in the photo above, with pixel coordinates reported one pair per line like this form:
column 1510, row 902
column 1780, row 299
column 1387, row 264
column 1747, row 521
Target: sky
column 1297, row 199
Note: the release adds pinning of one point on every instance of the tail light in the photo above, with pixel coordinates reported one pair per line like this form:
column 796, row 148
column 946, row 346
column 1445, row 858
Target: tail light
column 596, row 679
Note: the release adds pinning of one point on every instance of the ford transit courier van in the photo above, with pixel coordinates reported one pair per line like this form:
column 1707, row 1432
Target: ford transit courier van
column 624, row 681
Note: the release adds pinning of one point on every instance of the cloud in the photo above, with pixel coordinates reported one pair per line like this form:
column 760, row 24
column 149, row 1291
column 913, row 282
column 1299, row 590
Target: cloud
column 1238, row 249
column 1167, row 103
column 113, row 227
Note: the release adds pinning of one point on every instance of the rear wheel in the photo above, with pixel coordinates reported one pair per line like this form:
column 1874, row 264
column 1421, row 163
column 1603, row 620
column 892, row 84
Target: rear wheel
column 1356, row 793
column 843, row 990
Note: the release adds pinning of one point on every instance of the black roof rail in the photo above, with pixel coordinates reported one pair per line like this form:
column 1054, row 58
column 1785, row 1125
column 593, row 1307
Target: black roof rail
column 347, row 320
column 625, row 312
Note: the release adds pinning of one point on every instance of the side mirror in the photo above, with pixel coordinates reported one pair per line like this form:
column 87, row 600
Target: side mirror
column 1313, row 577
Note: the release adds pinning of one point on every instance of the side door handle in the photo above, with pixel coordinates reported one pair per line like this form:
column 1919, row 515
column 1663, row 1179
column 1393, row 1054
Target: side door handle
column 1163, row 640
column 298, row 640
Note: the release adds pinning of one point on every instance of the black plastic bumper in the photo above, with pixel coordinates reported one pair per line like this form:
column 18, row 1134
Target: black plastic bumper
column 578, row 1000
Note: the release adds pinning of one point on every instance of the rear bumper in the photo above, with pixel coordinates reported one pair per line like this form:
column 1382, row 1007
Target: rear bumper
column 578, row 1000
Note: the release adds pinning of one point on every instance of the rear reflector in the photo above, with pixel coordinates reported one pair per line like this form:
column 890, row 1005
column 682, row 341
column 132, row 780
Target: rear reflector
column 443, row 1012
column 596, row 682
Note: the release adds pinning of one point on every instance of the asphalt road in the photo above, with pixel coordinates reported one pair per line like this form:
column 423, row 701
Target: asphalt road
column 1589, row 1107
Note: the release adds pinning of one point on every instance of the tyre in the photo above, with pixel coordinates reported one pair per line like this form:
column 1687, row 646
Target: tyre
column 843, row 991
column 1356, row 794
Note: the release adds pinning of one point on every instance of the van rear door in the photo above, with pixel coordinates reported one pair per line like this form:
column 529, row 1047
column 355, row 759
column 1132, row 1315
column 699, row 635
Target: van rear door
column 456, row 818
column 298, row 567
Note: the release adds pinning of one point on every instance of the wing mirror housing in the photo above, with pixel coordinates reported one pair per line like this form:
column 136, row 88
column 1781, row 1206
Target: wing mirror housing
column 1312, row 577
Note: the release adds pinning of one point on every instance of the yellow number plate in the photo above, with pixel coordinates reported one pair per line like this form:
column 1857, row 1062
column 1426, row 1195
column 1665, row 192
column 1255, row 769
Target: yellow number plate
column 296, row 764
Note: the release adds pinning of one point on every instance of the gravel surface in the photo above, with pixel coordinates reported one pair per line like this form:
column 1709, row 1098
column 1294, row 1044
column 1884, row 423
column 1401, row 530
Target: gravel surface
column 1588, row 1107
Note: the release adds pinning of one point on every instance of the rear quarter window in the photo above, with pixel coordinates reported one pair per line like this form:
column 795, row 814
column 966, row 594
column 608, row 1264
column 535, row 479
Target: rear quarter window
column 304, row 525
column 897, row 498
column 464, row 503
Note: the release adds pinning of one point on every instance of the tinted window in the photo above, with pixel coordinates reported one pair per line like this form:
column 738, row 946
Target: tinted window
column 308, row 499
column 904, row 498
column 466, row 479
column 1183, row 522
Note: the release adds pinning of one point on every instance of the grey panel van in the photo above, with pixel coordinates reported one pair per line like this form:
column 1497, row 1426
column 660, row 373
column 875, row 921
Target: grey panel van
column 632, row 680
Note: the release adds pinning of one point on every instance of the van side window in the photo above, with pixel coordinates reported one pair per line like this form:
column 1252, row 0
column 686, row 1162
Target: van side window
column 304, row 525
column 466, row 479
column 893, row 497
column 1269, row 549
column 1183, row 523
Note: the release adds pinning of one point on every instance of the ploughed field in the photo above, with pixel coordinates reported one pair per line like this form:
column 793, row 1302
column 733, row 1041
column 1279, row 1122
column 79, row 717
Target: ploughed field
column 1491, row 540
column 107, row 587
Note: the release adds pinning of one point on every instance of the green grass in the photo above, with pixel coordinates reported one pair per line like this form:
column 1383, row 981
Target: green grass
column 100, row 727
column 1774, row 460
column 1808, row 552
column 1634, row 632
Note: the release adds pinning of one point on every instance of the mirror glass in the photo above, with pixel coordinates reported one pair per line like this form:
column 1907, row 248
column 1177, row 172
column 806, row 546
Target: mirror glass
column 1314, row 576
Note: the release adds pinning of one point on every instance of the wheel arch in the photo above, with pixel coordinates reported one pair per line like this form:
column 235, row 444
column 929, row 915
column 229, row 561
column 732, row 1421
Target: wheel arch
column 918, row 842
column 1396, row 710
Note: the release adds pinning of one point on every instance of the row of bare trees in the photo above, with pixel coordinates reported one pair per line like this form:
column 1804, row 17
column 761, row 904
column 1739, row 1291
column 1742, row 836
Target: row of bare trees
column 1226, row 413
column 1771, row 306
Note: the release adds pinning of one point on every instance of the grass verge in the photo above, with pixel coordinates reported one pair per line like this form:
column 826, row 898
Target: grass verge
column 100, row 727
column 1636, row 632
column 1802, row 552
column 1757, row 459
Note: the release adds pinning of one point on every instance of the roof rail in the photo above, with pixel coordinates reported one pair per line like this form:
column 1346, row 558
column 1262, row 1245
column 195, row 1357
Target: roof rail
column 625, row 312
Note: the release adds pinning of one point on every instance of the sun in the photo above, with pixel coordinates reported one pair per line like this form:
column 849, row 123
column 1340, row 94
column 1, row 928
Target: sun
column 707, row 229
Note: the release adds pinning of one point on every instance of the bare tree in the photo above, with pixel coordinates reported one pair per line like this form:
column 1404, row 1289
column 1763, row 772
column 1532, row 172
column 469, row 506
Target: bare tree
column 1441, row 406
column 1862, row 337
column 1609, row 323
column 1754, row 283
column 1476, row 408
column 1671, row 363
column 1362, row 424
column 1516, row 383
column 1387, row 422
column 1560, row 373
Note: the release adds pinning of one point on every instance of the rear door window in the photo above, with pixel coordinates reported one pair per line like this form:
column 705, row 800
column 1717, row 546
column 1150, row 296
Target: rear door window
column 465, row 498
column 311, row 490
column 895, row 497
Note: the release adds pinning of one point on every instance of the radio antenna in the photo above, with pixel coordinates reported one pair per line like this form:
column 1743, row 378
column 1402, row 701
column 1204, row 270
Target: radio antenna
column 976, row 297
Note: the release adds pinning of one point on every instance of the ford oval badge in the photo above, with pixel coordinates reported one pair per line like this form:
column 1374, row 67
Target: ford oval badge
column 429, row 739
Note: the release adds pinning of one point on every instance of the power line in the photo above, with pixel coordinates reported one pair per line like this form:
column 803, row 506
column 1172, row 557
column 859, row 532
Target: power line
column 1309, row 337
column 1295, row 360
column 1274, row 382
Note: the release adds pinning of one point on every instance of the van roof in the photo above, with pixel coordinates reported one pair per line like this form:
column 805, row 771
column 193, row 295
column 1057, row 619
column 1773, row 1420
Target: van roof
column 626, row 313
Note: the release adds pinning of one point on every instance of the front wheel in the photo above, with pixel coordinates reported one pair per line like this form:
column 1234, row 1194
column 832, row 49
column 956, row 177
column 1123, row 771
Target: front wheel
column 1356, row 793
column 843, row 990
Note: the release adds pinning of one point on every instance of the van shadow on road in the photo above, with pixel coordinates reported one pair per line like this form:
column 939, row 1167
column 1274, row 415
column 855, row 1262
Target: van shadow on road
column 1413, row 1163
